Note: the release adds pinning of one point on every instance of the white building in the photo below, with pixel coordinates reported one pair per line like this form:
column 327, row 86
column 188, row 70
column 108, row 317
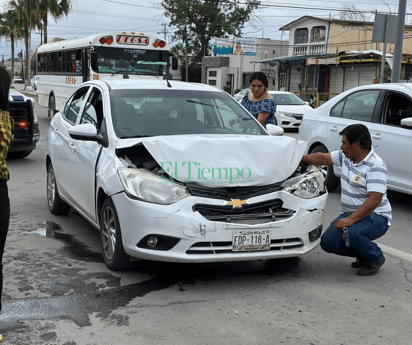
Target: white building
column 231, row 66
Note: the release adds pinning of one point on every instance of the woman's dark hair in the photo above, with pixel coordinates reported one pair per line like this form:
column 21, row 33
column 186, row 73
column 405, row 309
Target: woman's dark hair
column 259, row 76
column 358, row 132
column 4, row 89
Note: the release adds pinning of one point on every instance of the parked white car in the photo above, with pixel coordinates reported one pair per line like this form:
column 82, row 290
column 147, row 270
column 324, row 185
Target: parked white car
column 239, row 96
column 17, row 80
column 156, row 167
column 33, row 82
column 289, row 109
column 386, row 109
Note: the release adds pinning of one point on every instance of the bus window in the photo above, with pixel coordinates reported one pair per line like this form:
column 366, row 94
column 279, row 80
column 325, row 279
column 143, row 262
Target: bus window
column 138, row 61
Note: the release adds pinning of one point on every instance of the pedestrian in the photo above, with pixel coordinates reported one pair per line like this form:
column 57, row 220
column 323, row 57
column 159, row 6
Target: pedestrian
column 312, row 101
column 6, row 125
column 259, row 102
column 366, row 212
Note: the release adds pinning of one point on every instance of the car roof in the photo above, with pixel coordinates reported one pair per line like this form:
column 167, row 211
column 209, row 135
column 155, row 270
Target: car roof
column 143, row 82
column 279, row 92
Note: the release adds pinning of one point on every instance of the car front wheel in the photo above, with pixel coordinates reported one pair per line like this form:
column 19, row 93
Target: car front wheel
column 114, row 255
column 331, row 181
column 56, row 204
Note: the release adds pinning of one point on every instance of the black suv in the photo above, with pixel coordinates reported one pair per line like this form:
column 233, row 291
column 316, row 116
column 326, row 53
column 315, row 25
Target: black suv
column 26, row 132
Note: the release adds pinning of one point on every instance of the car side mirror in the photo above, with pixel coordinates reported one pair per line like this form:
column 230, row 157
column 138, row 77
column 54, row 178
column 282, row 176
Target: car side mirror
column 87, row 132
column 274, row 130
column 174, row 63
column 407, row 123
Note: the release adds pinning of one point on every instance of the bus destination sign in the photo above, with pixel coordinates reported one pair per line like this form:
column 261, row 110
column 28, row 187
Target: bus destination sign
column 128, row 39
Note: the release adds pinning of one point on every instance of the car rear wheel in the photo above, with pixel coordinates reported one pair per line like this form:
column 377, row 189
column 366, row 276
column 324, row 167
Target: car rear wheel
column 331, row 181
column 114, row 255
column 55, row 203
column 52, row 107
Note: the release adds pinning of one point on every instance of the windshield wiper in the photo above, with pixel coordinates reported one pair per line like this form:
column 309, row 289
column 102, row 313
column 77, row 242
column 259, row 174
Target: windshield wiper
column 210, row 105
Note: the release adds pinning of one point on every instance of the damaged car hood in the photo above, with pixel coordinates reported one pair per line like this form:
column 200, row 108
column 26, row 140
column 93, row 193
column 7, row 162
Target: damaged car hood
column 224, row 161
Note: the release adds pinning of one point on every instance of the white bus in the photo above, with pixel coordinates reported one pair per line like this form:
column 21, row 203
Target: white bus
column 63, row 65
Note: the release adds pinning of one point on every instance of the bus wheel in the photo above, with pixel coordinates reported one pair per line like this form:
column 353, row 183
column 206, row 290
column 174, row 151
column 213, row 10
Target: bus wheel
column 52, row 107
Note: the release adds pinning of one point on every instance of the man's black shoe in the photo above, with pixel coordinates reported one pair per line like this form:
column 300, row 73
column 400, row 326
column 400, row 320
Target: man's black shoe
column 360, row 263
column 372, row 269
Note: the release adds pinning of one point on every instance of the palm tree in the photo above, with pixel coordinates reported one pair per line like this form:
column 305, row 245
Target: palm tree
column 26, row 21
column 9, row 29
column 56, row 8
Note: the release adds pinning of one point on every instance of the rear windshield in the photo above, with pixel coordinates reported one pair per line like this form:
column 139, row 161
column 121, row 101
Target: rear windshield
column 169, row 112
column 287, row 99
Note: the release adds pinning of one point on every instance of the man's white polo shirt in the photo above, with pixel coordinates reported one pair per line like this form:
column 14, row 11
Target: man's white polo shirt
column 357, row 180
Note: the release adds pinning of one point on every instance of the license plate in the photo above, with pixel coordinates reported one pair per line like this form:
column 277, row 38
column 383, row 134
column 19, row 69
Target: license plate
column 251, row 240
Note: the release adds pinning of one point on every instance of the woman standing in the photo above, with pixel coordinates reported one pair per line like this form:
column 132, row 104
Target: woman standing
column 258, row 102
column 6, row 125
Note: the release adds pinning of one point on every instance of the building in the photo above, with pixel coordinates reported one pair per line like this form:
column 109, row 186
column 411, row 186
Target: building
column 231, row 65
column 331, row 55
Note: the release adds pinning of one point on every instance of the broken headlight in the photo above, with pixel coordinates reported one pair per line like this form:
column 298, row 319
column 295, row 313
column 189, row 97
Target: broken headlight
column 144, row 185
column 308, row 185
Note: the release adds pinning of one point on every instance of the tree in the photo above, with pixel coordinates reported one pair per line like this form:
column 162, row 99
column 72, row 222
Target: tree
column 56, row 8
column 26, row 21
column 350, row 12
column 202, row 20
column 10, row 30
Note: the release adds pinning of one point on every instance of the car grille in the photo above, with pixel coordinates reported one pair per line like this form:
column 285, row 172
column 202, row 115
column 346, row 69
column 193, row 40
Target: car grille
column 257, row 213
column 216, row 248
column 231, row 192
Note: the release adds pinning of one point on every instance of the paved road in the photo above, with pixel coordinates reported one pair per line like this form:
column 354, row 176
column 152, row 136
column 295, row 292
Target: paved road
column 58, row 291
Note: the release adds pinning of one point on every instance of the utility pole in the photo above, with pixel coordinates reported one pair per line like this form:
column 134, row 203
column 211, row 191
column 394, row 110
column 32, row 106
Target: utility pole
column 397, row 59
column 165, row 32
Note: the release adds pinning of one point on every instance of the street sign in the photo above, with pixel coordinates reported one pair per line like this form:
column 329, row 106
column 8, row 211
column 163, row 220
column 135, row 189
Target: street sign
column 385, row 24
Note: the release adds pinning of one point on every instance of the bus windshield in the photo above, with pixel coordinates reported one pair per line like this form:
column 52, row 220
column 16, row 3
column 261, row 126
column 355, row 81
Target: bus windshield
column 130, row 60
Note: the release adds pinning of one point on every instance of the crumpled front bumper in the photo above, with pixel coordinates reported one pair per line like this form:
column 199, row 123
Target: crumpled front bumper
column 202, row 240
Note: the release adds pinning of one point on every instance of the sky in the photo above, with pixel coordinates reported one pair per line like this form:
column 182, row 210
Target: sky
column 98, row 16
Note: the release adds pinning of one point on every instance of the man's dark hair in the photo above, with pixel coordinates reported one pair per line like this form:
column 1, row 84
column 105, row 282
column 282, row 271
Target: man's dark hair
column 259, row 76
column 4, row 89
column 358, row 132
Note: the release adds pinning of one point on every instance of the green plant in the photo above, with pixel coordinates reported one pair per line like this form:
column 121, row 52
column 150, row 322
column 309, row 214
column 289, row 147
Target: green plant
column 238, row 90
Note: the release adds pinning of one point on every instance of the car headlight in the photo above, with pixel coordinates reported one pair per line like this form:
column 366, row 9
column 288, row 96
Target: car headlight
column 306, row 186
column 146, row 186
column 282, row 113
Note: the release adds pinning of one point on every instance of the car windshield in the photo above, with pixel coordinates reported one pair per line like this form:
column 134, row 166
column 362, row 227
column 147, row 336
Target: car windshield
column 171, row 112
column 287, row 99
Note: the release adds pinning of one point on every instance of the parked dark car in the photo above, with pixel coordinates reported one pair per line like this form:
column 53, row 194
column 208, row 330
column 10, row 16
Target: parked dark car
column 26, row 132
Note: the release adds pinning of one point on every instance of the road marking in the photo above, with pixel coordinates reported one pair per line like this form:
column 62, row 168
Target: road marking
column 400, row 254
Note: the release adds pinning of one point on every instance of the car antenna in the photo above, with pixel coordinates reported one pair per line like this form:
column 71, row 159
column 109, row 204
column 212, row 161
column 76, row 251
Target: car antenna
column 168, row 77
column 125, row 76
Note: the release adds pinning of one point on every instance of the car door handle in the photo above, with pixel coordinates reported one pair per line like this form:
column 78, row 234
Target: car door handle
column 334, row 129
column 377, row 136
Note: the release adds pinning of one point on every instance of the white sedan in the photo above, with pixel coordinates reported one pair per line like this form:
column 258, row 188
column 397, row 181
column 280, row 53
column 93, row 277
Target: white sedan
column 386, row 109
column 289, row 109
column 157, row 168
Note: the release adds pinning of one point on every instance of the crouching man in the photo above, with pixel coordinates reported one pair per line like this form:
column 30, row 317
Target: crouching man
column 366, row 211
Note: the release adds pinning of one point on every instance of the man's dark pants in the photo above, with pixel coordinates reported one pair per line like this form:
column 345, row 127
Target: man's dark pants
column 361, row 235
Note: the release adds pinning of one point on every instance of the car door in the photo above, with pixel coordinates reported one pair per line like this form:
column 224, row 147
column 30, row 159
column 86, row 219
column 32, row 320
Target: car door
column 64, row 157
column 84, row 156
column 358, row 107
column 392, row 142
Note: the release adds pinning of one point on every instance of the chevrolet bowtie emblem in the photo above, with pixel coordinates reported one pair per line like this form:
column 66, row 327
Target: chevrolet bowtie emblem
column 236, row 203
